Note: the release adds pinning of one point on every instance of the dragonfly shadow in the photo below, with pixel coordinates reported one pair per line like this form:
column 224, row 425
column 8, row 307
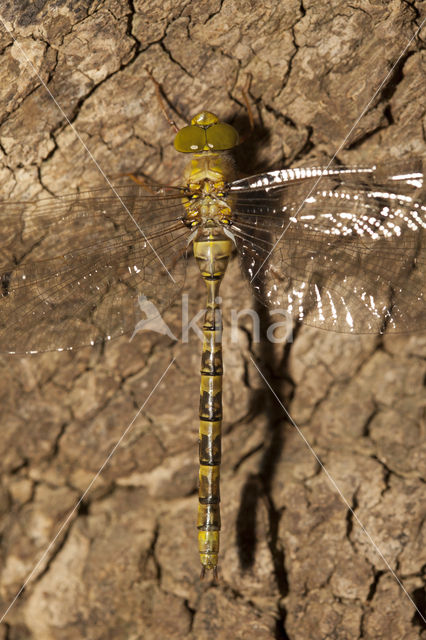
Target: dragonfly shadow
column 254, row 140
column 419, row 598
column 258, row 486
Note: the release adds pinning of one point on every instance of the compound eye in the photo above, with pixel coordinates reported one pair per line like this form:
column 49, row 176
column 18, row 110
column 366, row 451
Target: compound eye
column 221, row 137
column 190, row 139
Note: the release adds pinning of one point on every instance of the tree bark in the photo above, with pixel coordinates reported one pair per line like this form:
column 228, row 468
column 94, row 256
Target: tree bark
column 294, row 561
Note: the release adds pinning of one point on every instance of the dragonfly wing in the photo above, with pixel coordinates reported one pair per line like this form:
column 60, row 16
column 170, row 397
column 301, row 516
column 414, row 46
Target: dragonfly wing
column 341, row 249
column 74, row 269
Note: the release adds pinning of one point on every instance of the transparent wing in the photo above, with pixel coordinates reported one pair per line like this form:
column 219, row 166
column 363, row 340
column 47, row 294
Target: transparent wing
column 73, row 268
column 342, row 249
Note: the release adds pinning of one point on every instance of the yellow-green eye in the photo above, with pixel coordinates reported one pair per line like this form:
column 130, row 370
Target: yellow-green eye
column 190, row 139
column 221, row 137
column 206, row 133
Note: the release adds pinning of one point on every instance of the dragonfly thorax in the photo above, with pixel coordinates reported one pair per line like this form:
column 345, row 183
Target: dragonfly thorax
column 205, row 198
column 209, row 167
column 206, row 204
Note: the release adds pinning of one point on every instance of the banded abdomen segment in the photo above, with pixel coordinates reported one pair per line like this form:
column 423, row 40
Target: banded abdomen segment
column 212, row 251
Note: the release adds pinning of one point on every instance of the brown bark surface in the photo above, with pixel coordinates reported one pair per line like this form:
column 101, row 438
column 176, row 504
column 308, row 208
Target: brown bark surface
column 294, row 561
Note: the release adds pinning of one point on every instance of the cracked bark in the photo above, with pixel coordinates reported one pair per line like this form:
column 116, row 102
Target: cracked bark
column 294, row 562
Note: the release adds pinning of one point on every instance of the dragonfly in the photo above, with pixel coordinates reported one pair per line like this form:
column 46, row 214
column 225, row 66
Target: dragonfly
column 338, row 248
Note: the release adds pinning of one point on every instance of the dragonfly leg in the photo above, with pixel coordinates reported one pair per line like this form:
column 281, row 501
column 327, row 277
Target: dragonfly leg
column 139, row 181
column 161, row 101
column 245, row 93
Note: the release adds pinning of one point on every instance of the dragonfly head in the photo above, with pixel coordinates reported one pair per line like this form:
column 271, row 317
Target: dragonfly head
column 206, row 133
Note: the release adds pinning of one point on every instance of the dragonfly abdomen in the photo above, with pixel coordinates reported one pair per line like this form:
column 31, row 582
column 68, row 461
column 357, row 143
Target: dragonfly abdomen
column 212, row 251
